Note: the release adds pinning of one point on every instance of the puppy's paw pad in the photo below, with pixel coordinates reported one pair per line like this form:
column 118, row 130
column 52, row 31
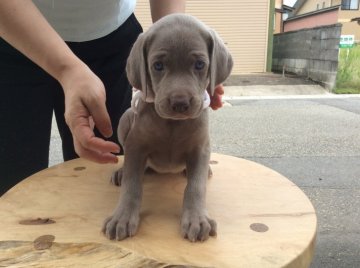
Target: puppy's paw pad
column 197, row 227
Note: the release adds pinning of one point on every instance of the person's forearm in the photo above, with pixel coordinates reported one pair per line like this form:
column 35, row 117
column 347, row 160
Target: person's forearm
column 23, row 26
column 161, row 8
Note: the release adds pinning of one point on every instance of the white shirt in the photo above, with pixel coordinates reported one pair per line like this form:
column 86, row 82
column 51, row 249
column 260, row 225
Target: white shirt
column 84, row 20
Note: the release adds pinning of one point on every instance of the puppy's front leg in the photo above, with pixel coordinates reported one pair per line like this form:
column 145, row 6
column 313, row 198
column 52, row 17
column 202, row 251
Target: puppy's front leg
column 125, row 220
column 195, row 222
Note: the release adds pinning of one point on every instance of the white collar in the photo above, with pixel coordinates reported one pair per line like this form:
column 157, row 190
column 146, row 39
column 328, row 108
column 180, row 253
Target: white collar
column 137, row 95
column 207, row 100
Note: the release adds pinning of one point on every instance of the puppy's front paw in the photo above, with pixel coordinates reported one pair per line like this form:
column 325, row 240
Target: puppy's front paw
column 197, row 226
column 121, row 225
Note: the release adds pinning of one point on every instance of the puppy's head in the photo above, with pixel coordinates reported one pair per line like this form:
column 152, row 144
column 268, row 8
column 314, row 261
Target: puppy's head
column 174, row 62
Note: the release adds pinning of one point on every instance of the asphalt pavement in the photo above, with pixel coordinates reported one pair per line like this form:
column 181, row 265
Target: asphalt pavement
column 305, row 133
column 316, row 144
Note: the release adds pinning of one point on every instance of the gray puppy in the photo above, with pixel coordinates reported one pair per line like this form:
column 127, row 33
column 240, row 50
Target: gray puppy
column 172, row 64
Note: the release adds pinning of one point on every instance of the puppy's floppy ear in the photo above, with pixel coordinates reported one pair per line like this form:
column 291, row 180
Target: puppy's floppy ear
column 221, row 62
column 136, row 69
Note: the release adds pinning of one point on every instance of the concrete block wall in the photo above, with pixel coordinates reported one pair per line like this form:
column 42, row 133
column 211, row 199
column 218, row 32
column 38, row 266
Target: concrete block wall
column 311, row 53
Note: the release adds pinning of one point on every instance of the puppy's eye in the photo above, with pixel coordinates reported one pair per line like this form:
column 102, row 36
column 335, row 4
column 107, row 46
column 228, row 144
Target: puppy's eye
column 199, row 65
column 158, row 66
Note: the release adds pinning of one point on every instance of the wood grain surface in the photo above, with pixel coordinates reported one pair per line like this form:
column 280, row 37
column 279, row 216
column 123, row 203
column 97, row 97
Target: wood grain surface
column 54, row 218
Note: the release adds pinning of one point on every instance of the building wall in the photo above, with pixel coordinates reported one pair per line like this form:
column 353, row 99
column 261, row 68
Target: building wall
column 278, row 16
column 278, row 4
column 343, row 17
column 312, row 53
column 350, row 27
column 243, row 26
column 278, row 22
column 308, row 6
column 346, row 15
column 326, row 18
column 311, row 5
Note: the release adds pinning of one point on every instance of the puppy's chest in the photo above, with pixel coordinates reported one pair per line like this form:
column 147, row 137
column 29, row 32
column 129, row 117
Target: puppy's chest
column 171, row 144
column 179, row 136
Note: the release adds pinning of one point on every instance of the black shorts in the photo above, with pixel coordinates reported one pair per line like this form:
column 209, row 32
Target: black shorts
column 29, row 96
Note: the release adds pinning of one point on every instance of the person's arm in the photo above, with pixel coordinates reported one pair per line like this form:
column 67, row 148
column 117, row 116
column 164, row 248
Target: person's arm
column 23, row 26
column 161, row 8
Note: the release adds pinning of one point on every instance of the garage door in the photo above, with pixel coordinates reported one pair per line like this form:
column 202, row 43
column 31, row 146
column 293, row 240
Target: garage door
column 243, row 25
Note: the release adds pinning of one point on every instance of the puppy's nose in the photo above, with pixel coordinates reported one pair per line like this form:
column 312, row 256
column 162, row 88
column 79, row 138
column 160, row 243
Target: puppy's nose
column 179, row 104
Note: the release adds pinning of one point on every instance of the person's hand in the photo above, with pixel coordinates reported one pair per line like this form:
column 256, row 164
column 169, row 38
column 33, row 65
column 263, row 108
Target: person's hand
column 85, row 107
column 215, row 101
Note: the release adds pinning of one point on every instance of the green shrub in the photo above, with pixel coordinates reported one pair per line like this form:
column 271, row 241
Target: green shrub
column 348, row 75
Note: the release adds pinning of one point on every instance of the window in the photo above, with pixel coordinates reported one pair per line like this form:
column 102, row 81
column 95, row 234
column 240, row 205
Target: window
column 323, row 5
column 317, row 7
column 350, row 4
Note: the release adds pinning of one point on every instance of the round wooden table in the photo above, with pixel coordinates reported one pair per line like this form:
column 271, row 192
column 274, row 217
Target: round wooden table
column 54, row 218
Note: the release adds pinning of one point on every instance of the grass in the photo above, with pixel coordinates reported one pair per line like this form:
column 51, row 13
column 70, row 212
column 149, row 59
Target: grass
column 348, row 76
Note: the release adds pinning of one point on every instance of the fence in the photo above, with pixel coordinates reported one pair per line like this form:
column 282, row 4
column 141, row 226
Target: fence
column 312, row 53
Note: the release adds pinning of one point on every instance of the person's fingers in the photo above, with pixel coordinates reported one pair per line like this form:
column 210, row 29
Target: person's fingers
column 216, row 102
column 219, row 89
column 89, row 146
column 216, row 99
column 101, row 117
column 86, row 137
column 91, row 122
column 99, row 157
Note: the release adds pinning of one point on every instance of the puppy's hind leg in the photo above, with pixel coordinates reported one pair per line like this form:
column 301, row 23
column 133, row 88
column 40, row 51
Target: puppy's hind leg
column 116, row 177
column 210, row 173
column 123, row 130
